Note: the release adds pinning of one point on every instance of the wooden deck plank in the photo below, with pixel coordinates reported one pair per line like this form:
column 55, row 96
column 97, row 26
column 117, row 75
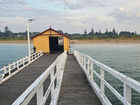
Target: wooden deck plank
column 11, row 89
column 75, row 89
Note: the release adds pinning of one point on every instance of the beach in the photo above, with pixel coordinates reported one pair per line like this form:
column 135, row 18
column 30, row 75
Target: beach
column 103, row 41
column 81, row 41
column 15, row 41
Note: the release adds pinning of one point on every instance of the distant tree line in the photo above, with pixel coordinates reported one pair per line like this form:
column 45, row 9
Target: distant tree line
column 99, row 33
column 113, row 34
column 8, row 33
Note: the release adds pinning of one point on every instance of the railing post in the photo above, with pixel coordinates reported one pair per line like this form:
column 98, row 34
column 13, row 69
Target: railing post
column 14, row 65
column 81, row 59
column 23, row 61
column 4, row 68
column 52, row 87
column 27, row 59
column 89, row 66
column 17, row 65
column 127, row 93
column 102, row 83
column 9, row 69
column 84, row 62
column 30, row 58
column 91, row 63
column 57, row 70
column 40, row 95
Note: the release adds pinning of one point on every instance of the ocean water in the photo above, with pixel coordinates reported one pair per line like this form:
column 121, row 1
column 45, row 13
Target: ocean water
column 124, row 58
column 12, row 52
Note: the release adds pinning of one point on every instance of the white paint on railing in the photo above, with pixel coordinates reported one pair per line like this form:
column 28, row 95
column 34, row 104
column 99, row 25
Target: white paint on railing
column 8, row 71
column 127, row 81
column 71, row 50
column 37, row 86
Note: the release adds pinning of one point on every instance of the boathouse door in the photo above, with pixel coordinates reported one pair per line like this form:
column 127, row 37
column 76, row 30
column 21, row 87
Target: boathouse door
column 54, row 45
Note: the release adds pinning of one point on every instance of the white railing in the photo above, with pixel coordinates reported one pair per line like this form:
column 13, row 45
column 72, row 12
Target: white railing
column 55, row 70
column 8, row 71
column 86, row 63
column 71, row 50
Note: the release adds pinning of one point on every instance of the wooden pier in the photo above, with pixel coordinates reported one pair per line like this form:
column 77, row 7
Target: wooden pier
column 60, row 78
column 75, row 90
column 11, row 89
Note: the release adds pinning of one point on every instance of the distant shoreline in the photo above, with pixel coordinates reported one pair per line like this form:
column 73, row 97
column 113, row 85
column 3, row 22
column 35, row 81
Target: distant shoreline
column 104, row 42
column 14, row 41
column 81, row 41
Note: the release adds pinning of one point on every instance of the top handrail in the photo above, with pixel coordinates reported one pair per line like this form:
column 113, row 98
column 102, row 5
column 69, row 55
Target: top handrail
column 86, row 62
column 8, row 71
column 129, row 81
column 37, row 86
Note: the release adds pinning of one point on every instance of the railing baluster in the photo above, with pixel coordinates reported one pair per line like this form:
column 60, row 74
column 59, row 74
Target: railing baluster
column 88, row 65
column 9, row 69
column 40, row 95
column 23, row 61
column 17, row 64
column 4, row 69
column 57, row 69
column 127, row 93
column 52, row 87
column 80, row 58
column 91, row 70
column 84, row 62
column 102, row 83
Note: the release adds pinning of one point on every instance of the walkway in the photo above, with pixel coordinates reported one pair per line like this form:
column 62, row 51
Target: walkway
column 75, row 89
column 16, row 85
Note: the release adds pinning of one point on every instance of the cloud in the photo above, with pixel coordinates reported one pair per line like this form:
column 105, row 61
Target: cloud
column 2, row 22
column 12, row 2
column 80, row 4
column 128, row 15
column 89, row 21
column 12, row 8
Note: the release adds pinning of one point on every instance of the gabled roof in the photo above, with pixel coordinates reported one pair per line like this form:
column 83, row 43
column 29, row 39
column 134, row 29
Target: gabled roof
column 50, row 29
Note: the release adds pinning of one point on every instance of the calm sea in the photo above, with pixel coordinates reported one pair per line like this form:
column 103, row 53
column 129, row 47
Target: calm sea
column 12, row 52
column 124, row 58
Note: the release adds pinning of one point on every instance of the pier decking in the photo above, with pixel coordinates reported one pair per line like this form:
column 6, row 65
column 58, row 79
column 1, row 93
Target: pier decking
column 75, row 89
column 11, row 89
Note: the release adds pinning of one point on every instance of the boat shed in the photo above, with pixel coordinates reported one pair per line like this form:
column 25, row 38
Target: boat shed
column 50, row 41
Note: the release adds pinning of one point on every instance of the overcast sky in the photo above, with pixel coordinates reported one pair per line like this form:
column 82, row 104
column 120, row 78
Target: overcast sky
column 73, row 16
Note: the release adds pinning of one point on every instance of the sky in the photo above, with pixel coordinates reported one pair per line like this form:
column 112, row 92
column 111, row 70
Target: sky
column 72, row 16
